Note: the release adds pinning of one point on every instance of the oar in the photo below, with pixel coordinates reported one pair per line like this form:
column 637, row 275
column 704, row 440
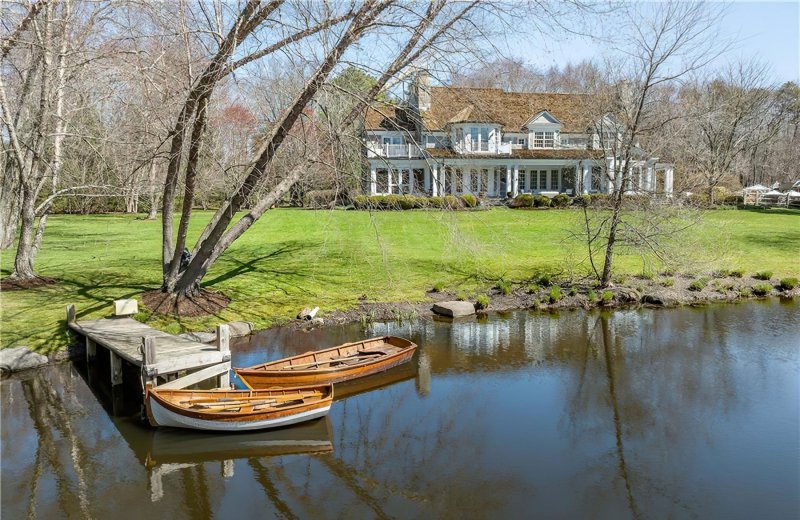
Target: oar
column 251, row 406
column 229, row 400
column 329, row 361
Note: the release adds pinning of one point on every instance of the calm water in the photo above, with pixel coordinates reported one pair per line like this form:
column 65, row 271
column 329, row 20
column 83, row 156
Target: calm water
column 685, row 413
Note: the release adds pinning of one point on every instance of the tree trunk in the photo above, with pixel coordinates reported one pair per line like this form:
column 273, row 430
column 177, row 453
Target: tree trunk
column 10, row 195
column 153, row 192
column 23, row 262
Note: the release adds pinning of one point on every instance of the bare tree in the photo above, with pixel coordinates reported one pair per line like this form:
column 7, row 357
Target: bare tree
column 420, row 31
column 667, row 42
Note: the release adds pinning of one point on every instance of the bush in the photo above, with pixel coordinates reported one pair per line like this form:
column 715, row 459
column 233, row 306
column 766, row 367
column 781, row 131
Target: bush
column 469, row 200
column 482, row 302
column 320, row 199
column 591, row 295
column 573, row 291
column 561, row 200
column 438, row 287
column 545, row 280
column 607, row 297
column 533, row 289
column 762, row 289
column 535, row 304
column 462, row 296
column 787, row 284
column 699, row 284
column 436, row 202
column 599, row 199
column 582, row 200
column 555, row 294
column 540, row 201
column 668, row 282
column 361, row 201
column 736, row 273
column 763, row 275
column 504, row 287
column 452, row 202
column 523, row 200
column 744, row 292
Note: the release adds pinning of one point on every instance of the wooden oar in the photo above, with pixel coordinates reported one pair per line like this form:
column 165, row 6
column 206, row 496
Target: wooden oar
column 204, row 400
column 332, row 360
column 250, row 406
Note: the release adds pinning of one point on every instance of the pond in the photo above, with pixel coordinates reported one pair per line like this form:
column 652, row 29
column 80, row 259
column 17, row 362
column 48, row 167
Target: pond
column 680, row 413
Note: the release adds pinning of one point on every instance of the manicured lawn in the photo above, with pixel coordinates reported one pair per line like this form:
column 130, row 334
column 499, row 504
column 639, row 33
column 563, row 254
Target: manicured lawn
column 297, row 258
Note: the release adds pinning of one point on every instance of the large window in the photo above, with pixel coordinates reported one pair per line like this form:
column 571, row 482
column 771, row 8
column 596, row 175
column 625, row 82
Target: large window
column 544, row 139
column 542, row 180
column 419, row 180
column 479, row 138
column 524, row 182
column 381, row 180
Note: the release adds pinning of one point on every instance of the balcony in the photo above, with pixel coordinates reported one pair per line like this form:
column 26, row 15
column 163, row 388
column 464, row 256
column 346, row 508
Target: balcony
column 408, row 151
column 487, row 148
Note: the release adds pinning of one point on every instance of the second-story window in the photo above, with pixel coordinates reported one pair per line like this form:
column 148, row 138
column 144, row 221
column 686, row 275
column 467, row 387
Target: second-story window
column 479, row 139
column 544, row 139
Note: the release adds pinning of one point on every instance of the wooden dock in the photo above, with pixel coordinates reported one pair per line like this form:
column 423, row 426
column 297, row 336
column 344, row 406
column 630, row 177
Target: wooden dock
column 160, row 356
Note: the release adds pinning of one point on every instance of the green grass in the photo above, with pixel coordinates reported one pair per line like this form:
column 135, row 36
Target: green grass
column 296, row 258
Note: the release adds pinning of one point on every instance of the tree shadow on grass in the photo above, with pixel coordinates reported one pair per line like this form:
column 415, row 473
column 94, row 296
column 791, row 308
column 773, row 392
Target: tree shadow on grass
column 253, row 265
column 771, row 211
column 784, row 241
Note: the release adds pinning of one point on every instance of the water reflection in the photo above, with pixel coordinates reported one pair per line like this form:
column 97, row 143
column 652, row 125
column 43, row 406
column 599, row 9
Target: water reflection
column 629, row 414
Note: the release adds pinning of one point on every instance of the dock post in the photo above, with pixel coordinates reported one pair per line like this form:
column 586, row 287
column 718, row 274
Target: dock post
column 70, row 314
column 91, row 350
column 116, row 368
column 148, row 358
column 224, row 346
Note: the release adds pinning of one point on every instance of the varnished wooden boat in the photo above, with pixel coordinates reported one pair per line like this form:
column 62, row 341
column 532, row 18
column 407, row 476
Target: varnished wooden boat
column 333, row 365
column 236, row 410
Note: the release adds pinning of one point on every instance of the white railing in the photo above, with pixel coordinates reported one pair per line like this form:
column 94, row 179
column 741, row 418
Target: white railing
column 393, row 150
column 502, row 148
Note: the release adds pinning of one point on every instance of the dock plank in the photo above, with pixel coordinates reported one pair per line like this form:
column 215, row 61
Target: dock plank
column 124, row 335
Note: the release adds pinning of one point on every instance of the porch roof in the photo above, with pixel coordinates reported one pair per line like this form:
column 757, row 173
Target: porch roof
column 559, row 154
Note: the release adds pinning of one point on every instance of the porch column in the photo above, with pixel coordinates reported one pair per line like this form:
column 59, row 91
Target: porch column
column 586, row 185
column 668, row 180
column 515, row 181
column 435, row 179
column 453, row 180
column 427, row 179
column 508, row 180
column 490, row 187
column 410, row 180
column 650, row 184
column 373, row 180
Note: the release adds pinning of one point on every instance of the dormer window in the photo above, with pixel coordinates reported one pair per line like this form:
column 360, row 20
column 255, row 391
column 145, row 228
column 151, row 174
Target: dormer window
column 479, row 139
column 544, row 139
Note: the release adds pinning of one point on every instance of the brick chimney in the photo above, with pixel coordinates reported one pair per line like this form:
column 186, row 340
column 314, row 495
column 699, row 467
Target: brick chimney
column 420, row 93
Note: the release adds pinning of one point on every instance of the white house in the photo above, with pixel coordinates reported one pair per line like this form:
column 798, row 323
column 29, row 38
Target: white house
column 495, row 144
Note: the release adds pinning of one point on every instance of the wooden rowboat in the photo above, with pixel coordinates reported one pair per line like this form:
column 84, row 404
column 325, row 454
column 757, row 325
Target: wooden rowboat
column 333, row 365
column 236, row 410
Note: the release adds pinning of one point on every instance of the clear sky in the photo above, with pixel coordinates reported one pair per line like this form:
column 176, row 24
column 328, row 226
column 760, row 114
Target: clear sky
column 769, row 31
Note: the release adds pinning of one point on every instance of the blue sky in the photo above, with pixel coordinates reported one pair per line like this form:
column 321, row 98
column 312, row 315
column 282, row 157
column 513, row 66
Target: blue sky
column 769, row 31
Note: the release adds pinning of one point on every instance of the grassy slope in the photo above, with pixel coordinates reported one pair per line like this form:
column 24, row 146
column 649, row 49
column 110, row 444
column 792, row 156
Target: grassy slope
column 296, row 258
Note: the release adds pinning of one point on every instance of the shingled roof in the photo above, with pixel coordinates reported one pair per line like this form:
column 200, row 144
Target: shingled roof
column 512, row 110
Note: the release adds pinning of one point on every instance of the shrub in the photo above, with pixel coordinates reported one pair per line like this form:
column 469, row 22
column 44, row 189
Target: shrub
column 533, row 289
column 573, row 291
column 599, row 199
column 452, row 202
column 438, row 287
column 582, row 200
column 461, row 296
column 736, row 273
column 540, row 201
column 320, row 199
column 591, row 295
column 744, row 292
column 535, row 304
column 523, row 200
column 668, row 282
column 762, row 289
column 469, row 200
column 763, row 275
column 555, row 294
column 561, row 200
column 482, row 302
column 361, row 201
column 699, row 284
column 504, row 287
column 545, row 280
column 436, row 202
column 787, row 284
column 607, row 297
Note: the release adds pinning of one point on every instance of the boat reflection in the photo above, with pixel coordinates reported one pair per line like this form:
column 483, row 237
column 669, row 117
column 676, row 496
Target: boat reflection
column 361, row 385
column 164, row 451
